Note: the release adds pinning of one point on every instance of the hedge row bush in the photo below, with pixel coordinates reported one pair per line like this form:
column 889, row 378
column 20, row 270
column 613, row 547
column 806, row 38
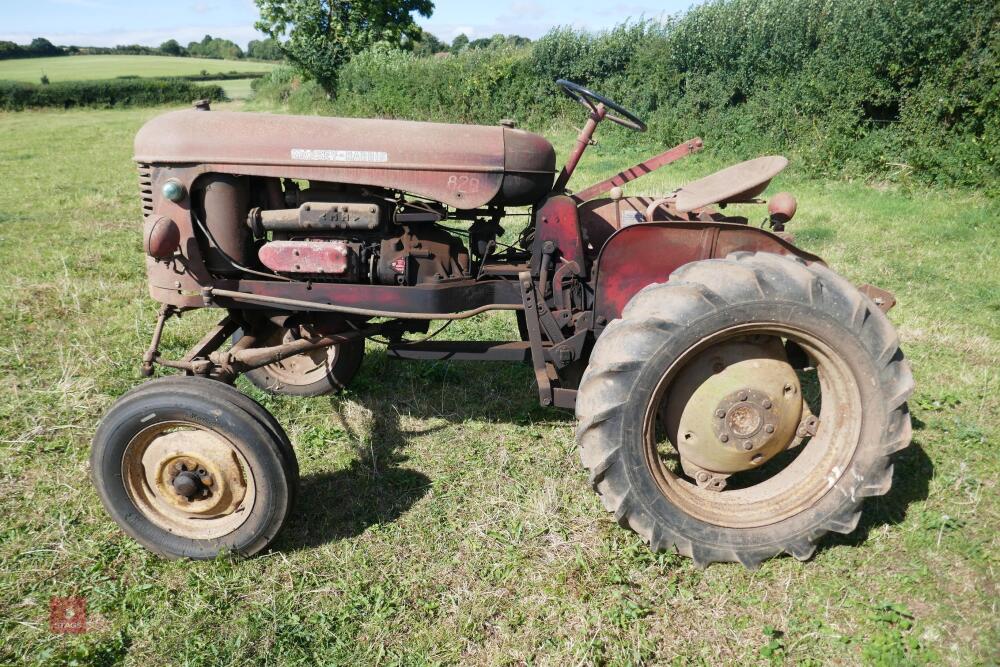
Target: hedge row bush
column 16, row 95
column 207, row 76
column 905, row 89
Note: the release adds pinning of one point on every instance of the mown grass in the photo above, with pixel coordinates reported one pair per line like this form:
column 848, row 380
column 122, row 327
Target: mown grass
column 236, row 89
column 444, row 517
column 85, row 68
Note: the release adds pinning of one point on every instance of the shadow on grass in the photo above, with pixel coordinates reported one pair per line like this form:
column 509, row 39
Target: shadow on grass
column 377, row 488
column 911, row 476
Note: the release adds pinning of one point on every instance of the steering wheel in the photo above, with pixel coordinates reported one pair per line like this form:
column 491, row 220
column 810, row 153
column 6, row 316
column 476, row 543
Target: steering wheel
column 589, row 99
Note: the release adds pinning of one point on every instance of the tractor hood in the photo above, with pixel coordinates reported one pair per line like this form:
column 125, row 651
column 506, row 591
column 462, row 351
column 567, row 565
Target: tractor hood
column 466, row 166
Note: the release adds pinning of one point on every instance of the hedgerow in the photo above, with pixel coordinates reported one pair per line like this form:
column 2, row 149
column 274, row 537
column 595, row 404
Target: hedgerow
column 16, row 95
column 904, row 89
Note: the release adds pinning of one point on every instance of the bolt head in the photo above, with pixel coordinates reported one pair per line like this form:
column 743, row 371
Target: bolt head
column 724, row 438
column 769, row 428
column 702, row 476
column 748, row 445
column 743, row 396
column 720, row 413
column 767, row 404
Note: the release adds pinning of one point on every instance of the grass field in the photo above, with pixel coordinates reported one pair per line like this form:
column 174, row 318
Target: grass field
column 85, row 68
column 444, row 516
column 236, row 89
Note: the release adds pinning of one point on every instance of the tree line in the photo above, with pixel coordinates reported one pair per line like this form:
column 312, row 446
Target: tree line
column 208, row 47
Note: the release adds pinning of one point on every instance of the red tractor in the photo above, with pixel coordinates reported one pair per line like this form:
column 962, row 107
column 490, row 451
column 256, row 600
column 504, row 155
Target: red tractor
column 736, row 398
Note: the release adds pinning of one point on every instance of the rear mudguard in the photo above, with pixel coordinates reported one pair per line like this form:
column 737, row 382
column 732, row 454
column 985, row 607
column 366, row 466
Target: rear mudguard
column 649, row 252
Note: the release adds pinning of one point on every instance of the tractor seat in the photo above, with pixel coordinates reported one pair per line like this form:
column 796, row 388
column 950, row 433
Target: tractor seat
column 738, row 183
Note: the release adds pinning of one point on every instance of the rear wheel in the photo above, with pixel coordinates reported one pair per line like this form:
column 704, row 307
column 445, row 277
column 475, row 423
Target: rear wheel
column 190, row 473
column 701, row 435
column 314, row 373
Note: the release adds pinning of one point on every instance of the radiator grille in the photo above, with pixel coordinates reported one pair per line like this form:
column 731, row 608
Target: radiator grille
column 146, row 189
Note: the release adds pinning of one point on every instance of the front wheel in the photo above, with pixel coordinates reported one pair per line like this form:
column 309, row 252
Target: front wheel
column 699, row 433
column 188, row 472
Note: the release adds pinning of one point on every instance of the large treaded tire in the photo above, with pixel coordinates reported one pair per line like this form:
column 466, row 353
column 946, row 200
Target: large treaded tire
column 699, row 299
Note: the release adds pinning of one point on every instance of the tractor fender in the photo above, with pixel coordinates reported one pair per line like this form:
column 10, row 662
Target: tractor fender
column 646, row 253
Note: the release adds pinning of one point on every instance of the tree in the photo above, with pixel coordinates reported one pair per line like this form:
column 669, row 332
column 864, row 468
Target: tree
column 172, row 48
column 459, row 43
column 426, row 44
column 42, row 47
column 215, row 47
column 265, row 49
column 322, row 35
column 10, row 50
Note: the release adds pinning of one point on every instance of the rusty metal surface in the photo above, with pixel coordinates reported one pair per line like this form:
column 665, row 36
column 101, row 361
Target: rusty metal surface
column 451, row 300
column 884, row 299
column 644, row 254
column 582, row 141
column 313, row 257
column 782, row 206
column 736, row 183
column 557, row 221
column 641, row 169
column 734, row 406
column 322, row 216
column 212, row 502
column 461, row 165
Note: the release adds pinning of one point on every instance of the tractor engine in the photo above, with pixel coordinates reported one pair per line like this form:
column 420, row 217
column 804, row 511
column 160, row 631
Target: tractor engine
column 324, row 233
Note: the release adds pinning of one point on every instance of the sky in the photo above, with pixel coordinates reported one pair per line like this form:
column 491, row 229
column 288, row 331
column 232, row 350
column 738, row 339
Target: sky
column 111, row 22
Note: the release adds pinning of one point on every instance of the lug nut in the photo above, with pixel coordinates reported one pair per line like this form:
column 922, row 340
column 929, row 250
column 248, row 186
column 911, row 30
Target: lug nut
column 703, row 476
column 748, row 445
column 767, row 404
column 720, row 413
column 743, row 396
column 724, row 438
column 769, row 428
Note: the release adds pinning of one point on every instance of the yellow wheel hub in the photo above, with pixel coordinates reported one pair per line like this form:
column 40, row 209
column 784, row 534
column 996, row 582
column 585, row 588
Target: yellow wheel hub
column 735, row 406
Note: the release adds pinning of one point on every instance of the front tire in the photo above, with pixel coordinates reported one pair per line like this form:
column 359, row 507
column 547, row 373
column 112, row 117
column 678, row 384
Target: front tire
column 788, row 491
column 189, row 473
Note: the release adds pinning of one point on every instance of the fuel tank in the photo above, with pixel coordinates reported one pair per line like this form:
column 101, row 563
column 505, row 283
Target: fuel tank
column 465, row 166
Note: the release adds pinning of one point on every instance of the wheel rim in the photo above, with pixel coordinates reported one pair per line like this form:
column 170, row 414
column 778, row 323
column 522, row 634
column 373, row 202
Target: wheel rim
column 301, row 369
column 188, row 480
column 797, row 477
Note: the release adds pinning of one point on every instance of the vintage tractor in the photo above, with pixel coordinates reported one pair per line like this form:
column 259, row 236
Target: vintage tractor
column 736, row 398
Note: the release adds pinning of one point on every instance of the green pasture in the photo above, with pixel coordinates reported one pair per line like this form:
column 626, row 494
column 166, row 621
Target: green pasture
column 85, row 68
column 236, row 89
column 444, row 517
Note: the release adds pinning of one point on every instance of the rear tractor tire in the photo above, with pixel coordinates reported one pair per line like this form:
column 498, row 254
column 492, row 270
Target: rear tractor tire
column 189, row 471
column 315, row 373
column 701, row 436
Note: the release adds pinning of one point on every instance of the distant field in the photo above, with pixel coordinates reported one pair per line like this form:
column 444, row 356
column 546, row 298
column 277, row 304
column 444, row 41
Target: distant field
column 236, row 89
column 79, row 68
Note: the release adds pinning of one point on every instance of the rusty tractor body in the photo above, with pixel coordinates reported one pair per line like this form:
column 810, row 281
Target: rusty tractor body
column 683, row 337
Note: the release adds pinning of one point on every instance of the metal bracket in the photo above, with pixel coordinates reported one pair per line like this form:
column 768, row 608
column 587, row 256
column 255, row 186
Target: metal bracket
column 884, row 299
column 151, row 355
column 528, row 296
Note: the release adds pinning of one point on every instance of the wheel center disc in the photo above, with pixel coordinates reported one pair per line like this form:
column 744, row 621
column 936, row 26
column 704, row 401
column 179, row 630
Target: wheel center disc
column 734, row 406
